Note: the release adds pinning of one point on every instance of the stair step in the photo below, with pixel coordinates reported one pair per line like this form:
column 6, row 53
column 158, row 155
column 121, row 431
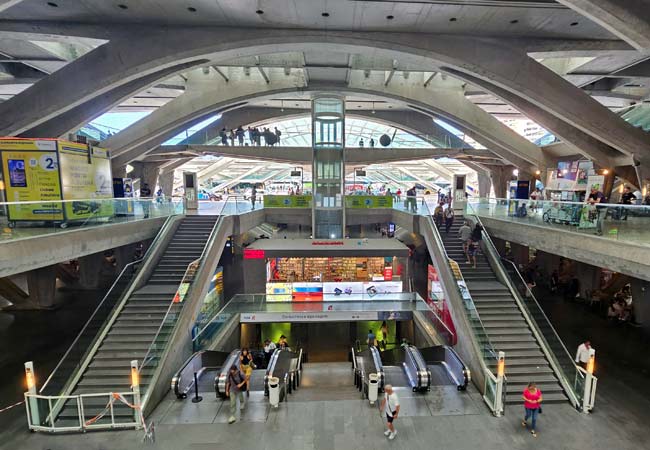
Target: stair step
column 552, row 397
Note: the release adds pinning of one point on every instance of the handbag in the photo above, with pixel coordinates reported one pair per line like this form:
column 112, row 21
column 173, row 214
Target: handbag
column 540, row 410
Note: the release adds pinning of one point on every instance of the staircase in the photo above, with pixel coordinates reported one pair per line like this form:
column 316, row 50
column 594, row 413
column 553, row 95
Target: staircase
column 136, row 326
column 505, row 325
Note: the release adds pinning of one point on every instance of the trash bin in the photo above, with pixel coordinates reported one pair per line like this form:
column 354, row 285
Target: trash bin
column 274, row 391
column 373, row 387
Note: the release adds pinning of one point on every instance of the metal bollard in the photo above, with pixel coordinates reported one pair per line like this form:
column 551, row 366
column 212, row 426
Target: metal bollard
column 197, row 398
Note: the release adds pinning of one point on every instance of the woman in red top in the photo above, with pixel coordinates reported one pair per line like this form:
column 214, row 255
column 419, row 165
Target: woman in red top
column 532, row 401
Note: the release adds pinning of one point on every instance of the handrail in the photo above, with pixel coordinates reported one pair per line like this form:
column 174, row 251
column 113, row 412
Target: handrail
column 195, row 266
column 487, row 345
column 119, row 302
column 537, row 333
column 92, row 316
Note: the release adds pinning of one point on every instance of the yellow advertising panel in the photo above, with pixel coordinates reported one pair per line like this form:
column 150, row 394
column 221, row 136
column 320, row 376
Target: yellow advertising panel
column 86, row 178
column 31, row 175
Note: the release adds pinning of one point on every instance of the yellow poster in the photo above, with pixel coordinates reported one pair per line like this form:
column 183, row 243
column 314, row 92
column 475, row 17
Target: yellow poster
column 86, row 179
column 31, row 175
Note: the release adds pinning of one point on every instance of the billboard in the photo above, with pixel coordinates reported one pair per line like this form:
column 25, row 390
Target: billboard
column 287, row 201
column 307, row 292
column 32, row 176
column 279, row 292
column 368, row 201
column 85, row 177
column 342, row 290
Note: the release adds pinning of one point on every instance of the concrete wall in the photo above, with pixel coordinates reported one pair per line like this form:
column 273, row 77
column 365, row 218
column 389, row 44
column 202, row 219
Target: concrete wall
column 23, row 255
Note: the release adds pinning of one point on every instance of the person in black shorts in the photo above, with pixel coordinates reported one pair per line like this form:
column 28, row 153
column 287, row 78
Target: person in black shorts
column 390, row 405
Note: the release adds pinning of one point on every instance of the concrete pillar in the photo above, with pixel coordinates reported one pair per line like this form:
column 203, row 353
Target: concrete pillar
column 89, row 270
column 484, row 184
column 500, row 245
column 500, row 176
column 166, row 181
column 146, row 173
column 520, row 254
column 641, row 302
column 588, row 275
column 41, row 284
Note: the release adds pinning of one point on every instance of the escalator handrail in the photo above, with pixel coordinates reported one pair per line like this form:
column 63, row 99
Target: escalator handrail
column 354, row 360
column 420, row 365
column 532, row 323
column 178, row 375
column 222, row 375
column 466, row 372
column 118, row 304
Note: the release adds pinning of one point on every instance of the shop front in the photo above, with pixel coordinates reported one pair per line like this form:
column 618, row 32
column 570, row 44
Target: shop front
column 347, row 270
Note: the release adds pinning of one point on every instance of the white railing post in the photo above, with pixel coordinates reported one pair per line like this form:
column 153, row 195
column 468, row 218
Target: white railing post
column 590, row 383
column 31, row 391
column 498, row 400
column 135, row 386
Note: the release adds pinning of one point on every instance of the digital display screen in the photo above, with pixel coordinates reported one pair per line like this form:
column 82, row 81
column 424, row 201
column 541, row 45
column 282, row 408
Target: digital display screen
column 17, row 176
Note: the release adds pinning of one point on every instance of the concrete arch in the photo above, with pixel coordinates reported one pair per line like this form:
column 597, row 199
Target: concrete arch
column 506, row 66
column 154, row 129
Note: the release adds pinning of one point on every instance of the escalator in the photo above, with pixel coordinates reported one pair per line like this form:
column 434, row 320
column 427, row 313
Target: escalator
column 139, row 322
column 507, row 328
column 212, row 368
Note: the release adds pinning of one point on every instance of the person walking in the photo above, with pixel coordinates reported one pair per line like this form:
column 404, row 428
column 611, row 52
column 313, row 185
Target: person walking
column 361, row 143
column 251, row 136
column 390, row 405
column 278, row 133
column 372, row 143
column 145, row 196
column 269, row 348
column 234, row 385
column 532, row 405
column 231, row 136
column 438, row 214
column 253, row 196
column 449, row 218
column 627, row 198
column 240, row 135
column 246, row 367
column 464, row 233
column 384, row 334
column 583, row 354
column 224, row 137
column 595, row 198
column 371, row 339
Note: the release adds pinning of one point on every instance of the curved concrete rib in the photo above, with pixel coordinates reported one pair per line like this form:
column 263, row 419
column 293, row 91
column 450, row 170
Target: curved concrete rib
column 150, row 132
column 507, row 66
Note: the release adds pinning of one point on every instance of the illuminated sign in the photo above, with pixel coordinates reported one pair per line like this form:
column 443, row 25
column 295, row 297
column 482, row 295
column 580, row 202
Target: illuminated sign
column 250, row 253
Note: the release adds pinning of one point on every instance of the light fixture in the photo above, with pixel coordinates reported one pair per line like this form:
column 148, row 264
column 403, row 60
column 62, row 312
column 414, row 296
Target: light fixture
column 514, row 21
column 259, row 11
column 325, row 14
column 52, row 4
column 538, row 172
column 373, row 107
column 515, row 172
column 620, row 188
column 390, row 17
column 565, row 171
column 573, row 24
column 122, row 6
column 191, row 9
column 605, row 171
column 282, row 105
column 453, row 19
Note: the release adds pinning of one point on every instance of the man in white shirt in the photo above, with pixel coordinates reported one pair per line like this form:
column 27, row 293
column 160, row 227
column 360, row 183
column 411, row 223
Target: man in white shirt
column 269, row 348
column 583, row 354
column 390, row 404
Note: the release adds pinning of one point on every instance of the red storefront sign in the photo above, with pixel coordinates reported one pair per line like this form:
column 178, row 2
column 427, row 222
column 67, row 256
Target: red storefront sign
column 250, row 253
column 388, row 273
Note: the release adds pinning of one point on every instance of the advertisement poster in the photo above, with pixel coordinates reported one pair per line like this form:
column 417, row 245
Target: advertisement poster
column 279, row 292
column 343, row 290
column 32, row 176
column 368, row 201
column 381, row 290
column 86, row 178
column 307, row 292
column 287, row 201
column 570, row 176
column 436, row 293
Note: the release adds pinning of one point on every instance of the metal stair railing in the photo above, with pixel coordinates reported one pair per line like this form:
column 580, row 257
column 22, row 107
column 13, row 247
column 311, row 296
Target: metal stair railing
column 569, row 376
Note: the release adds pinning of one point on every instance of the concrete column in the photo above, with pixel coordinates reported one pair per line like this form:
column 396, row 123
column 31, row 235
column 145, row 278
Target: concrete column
column 500, row 245
column 588, row 275
column 167, row 183
column 89, row 270
column 255, row 280
column 484, row 184
column 641, row 302
column 41, row 284
column 146, row 173
column 520, row 253
column 500, row 176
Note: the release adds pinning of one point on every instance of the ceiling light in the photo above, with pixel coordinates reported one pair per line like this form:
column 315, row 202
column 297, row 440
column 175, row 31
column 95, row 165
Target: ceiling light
column 515, row 172
column 52, row 4
column 259, row 11
column 514, row 21
column 573, row 24
column 538, row 172
column 605, row 172
column 191, row 9
column 453, row 19
column 325, row 14
column 391, row 17
column 122, row 6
